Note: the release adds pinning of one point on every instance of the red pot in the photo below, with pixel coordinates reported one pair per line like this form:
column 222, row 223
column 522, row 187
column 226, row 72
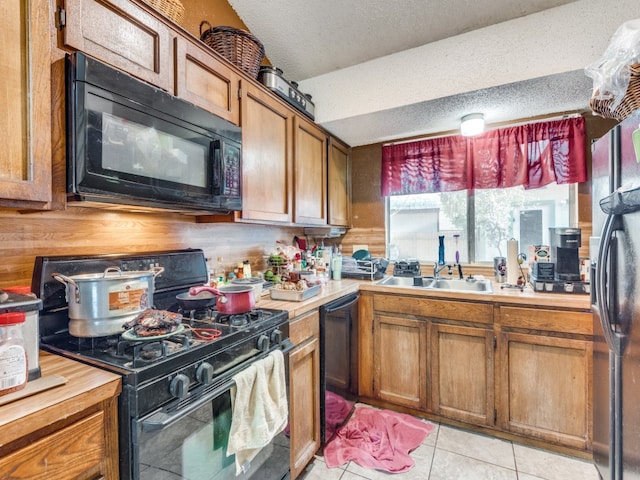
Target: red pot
column 232, row 299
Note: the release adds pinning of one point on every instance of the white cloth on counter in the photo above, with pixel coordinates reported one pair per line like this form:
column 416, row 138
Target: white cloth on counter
column 259, row 408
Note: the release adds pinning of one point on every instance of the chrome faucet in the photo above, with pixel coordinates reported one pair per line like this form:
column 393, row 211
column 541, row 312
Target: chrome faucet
column 437, row 268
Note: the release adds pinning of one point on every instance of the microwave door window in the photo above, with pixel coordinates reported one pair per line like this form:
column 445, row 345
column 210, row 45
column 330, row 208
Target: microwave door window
column 138, row 150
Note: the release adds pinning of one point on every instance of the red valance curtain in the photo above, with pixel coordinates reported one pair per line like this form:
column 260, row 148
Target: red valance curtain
column 531, row 155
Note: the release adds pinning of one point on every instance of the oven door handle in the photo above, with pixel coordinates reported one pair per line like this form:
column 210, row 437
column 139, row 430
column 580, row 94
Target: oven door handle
column 160, row 420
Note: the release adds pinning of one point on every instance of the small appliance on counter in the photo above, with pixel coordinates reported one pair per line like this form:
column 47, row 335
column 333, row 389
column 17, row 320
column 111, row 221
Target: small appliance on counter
column 272, row 78
column 561, row 274
column 406, row 268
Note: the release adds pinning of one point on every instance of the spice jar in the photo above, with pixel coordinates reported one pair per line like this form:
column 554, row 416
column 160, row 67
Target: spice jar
column 13, row 353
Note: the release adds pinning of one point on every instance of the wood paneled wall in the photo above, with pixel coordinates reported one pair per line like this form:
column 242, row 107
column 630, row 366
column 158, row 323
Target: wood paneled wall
column 95, row 231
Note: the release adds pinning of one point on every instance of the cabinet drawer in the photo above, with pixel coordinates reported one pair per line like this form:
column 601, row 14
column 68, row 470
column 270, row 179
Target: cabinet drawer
column 547, row 320
column 304, row 327
column 73, row 452
column 464, row 311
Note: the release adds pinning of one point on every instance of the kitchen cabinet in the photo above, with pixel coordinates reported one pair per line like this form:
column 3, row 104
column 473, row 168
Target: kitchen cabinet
column 304, row 390
column 517, row 371
column 310, row 173
column 66, row 432
column 339, row 184
column 267, row 181
column 122, row 34
column 546, row 375
column 206, row 81
column 25, row 89
column 400, row 352
column 462, row 386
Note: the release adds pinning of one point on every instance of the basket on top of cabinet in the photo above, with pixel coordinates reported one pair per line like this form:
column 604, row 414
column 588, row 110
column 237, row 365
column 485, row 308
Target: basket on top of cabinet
column 240, row 47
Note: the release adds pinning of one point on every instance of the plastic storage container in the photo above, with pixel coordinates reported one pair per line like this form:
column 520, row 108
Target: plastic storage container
column 19, row 299
column 14, row 371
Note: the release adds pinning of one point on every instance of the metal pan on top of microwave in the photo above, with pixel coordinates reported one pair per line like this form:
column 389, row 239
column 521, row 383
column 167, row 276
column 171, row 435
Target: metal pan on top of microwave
column 133, row 144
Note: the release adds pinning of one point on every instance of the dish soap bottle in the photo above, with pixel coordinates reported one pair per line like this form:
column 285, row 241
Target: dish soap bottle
column 441, row 249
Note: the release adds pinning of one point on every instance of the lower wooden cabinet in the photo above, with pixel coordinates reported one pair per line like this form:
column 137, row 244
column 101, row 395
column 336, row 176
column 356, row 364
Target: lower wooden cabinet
column 400, row 353
column 546, row 388
column 68, row 432
column 74, row 452
column 462, row 373
column 521, row 371
column 304, row 391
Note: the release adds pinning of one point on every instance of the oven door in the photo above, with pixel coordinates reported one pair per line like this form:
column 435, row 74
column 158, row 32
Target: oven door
column 191, row 443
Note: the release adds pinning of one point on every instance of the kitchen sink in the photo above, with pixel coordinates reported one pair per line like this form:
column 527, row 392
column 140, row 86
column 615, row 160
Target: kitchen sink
column 397, row 281
column 441, row 283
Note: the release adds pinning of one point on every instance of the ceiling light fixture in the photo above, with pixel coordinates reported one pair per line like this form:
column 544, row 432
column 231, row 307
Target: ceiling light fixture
column 472, row 124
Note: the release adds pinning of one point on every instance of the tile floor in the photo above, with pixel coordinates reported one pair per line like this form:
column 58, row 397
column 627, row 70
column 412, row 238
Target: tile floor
column 449, row 453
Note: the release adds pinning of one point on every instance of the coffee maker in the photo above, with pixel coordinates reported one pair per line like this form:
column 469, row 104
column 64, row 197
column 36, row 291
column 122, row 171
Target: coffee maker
column 565, row 244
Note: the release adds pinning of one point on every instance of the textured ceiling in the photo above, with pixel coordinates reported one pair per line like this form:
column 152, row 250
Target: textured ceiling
column 383, row 70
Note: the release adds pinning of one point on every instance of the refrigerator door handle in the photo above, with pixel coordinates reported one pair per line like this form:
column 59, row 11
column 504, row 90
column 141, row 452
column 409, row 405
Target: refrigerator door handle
column 606, row 291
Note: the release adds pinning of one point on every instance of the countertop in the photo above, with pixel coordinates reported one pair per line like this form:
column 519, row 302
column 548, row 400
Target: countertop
column 85, row 386
column 508, row 296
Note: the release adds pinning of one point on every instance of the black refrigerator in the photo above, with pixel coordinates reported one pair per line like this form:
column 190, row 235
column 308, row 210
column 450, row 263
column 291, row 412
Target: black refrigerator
column 615, row 298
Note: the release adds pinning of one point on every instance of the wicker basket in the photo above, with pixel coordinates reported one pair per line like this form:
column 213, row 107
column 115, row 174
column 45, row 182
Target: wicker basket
column 169, row 8
column 240, row 47
column 630, row 102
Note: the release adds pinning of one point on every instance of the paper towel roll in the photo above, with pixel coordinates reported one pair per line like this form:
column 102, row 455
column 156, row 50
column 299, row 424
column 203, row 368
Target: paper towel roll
column 513, row 269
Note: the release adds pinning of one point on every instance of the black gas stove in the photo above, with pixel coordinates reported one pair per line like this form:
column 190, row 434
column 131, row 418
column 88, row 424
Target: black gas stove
column 166, row 374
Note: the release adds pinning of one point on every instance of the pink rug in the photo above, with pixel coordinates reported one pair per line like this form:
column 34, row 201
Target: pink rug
column 379, row 439
column 337, row 409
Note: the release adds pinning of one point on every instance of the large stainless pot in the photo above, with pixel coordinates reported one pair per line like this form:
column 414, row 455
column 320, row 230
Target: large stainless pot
column 100, row 303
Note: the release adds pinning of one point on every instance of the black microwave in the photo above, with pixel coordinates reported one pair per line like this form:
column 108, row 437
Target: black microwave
column 129, row 143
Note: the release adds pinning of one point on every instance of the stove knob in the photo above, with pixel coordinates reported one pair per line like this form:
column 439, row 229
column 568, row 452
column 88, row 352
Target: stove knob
column 263, row 343
column 204, row 373
column 179, row 386
column 276, row 336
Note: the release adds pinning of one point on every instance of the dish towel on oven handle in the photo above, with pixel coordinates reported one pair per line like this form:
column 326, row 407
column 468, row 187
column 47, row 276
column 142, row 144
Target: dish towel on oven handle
column 259, row 408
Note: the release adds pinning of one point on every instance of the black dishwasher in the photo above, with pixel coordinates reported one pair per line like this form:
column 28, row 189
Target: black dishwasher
column 338, row 363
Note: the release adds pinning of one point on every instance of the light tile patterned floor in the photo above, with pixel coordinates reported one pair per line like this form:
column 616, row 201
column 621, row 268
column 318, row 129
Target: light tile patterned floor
column 453, row 454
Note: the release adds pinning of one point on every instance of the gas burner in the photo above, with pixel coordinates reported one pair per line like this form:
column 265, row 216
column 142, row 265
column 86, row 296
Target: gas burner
column 143, row 352
column 203, row 314
column 243, row 319
column 239, row 320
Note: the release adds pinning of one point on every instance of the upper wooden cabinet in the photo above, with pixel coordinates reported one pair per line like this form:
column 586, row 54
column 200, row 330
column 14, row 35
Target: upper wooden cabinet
column 339, row 184
column 205, row 81
column 122, row 34
column 310, row 173
column 25, row 119
column 267, row 129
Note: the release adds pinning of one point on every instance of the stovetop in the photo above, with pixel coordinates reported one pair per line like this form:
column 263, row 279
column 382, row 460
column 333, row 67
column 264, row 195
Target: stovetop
column 237, row 337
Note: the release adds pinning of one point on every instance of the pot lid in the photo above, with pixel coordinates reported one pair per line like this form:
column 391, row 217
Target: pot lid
column 16, row 302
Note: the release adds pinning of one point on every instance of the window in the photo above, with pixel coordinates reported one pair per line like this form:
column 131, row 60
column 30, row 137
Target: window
column 477, row 225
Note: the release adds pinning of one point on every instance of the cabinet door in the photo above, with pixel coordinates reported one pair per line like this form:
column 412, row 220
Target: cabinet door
column 266, row 157
column 310, row 164
column 75, row 452
column 339, row 184
column 205, row 81
column 400, row 353
column 25, row 89
column 545, row 386
column 304, row 404
column 122, row 34
column 461, row 360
